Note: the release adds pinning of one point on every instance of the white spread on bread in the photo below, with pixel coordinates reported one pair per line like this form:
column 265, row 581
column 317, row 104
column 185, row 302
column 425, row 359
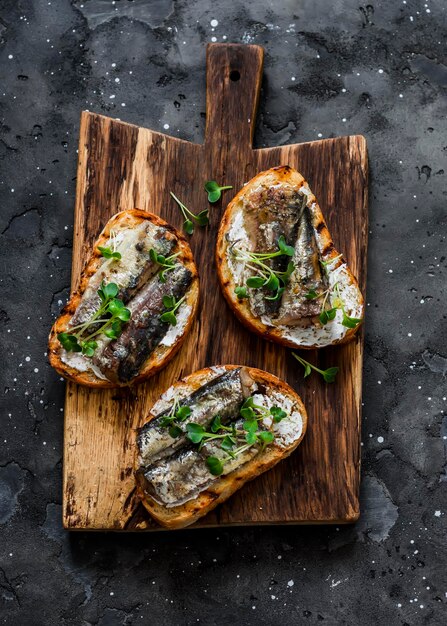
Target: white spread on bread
column 174, row 332
column 81, row 363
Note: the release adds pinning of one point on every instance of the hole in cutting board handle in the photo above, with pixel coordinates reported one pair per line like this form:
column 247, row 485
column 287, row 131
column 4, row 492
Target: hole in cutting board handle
column 234, row 75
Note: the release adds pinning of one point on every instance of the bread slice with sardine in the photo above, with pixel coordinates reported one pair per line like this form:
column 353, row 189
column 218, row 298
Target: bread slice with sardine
column 208, row 435
column 135, row 303
column 278, row 266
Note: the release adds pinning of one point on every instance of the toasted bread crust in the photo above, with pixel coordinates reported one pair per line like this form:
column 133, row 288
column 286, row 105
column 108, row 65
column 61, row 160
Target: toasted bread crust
column 241, row 308
column 162, row 354
column 189, row 512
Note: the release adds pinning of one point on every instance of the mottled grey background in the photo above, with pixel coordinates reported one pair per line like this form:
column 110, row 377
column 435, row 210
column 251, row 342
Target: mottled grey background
column 332, row 67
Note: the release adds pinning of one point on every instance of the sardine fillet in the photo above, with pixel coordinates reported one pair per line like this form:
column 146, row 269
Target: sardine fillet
column 221, row 396
column 122, row 358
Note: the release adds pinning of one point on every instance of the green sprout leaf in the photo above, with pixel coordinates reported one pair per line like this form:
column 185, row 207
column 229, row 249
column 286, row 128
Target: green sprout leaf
column 249, row 403
column 202, row 218
column 251, row 425
column 241, row 292
column 110, row 290
column 311, row 294
column 285, row 249
column 247, row 413
column 166, row 263
column 89, row 347
column 111, row 334
column 255, row 282
column 175, row 431
column 328, row 375
column 307, row 370
column 216, row 424
column 168, row 302
column 115, row 306
column 273, row 283
column 289, row 270
column 183, row 413
column 277, row 295
column 108, row 253
column 266, row 437
column 323, row 317
column 251, row 437
column 215, row 466
column 214, row 190
column 195, row 432
column 188, row 227
column 327, row 315
column 228, row 443
column 169, row 317
column 124, row 314
column 69, row 342
column 331, row 313
column 350, row 322
column 278, row 414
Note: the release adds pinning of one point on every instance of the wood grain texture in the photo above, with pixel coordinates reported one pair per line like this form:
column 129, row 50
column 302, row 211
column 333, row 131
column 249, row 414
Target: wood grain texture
column 122, row 166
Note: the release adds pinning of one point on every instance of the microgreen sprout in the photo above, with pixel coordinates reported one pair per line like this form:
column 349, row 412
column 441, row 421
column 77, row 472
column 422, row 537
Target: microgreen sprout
column 329, row 374
column 167, row 263
column 188, row 225
column 234, row 440
column 171, row 304
column 241, row 292
column 214, row 190
column 349, row 322
column 176, row 415
column 110, row 252
column 329, row 262
column 108, row 320
column 215, row 466
column 328, row 314
column 264, row 276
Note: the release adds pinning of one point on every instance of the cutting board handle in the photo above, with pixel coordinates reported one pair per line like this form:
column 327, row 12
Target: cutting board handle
column 233, row 83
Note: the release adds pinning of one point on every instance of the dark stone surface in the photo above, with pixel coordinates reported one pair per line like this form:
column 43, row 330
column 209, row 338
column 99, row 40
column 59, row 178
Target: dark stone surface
column 332, row 68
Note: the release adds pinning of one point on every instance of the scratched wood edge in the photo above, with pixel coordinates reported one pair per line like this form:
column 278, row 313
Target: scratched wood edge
column 80, row 191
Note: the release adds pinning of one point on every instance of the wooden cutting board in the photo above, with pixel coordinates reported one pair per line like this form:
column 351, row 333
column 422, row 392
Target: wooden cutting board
column 122, row 166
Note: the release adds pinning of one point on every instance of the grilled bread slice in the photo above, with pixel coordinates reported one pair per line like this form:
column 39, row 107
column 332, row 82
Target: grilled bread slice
column 129, row 358
column 173, row 478
column 314, row 300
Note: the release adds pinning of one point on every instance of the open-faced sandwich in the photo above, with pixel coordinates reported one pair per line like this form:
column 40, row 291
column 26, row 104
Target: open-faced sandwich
column 278, row 266
column 209, row 434
column 136, row 301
